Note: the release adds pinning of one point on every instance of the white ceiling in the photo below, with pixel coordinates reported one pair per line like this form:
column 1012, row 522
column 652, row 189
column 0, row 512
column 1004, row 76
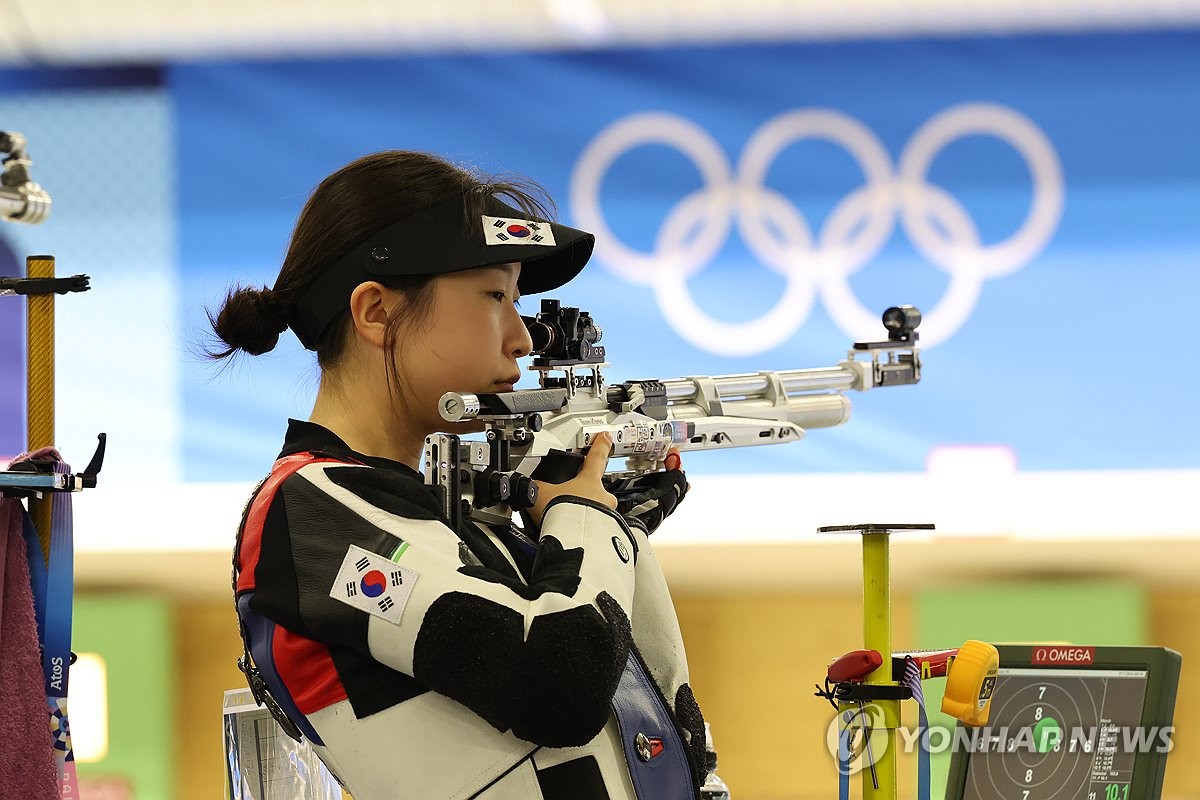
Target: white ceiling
column 67, row 32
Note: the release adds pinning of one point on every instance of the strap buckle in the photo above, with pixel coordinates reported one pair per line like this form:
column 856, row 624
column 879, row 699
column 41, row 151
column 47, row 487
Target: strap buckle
column 262, row 696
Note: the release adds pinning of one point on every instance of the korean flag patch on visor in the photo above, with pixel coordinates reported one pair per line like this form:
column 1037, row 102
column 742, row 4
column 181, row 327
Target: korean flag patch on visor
column 439, row 239
column 510, row 230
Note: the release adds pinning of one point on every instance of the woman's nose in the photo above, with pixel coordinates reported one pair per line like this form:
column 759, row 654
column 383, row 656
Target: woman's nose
column 520, row 342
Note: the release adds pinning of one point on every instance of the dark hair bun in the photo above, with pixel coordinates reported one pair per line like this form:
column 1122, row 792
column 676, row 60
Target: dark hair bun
column 251, row 320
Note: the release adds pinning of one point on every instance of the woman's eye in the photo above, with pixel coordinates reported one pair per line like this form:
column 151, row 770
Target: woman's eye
column 499, row 298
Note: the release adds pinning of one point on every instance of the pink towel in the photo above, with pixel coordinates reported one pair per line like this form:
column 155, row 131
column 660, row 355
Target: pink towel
column 27, row 768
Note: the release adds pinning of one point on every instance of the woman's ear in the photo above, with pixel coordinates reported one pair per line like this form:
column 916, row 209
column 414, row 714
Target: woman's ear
column 369, row 305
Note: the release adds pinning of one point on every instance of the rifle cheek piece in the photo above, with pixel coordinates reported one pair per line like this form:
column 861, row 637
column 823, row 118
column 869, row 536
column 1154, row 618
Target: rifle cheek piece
column 455, row 407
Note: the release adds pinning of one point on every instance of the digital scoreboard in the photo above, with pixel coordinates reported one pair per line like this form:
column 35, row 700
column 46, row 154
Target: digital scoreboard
column 1071, row 723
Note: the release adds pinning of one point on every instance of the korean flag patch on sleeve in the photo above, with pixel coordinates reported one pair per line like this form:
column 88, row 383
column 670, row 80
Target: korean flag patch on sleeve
column 374, row 584
column 500, row 230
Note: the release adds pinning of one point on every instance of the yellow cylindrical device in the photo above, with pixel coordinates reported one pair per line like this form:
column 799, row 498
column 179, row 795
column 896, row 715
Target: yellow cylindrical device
column 970, row 683
column 39, row 395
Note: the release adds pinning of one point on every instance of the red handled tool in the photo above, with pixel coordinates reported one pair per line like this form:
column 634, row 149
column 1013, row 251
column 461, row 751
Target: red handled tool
column 854, row 666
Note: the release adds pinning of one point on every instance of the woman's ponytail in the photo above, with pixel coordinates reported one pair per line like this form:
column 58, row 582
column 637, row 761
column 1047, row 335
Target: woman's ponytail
column 250, row 320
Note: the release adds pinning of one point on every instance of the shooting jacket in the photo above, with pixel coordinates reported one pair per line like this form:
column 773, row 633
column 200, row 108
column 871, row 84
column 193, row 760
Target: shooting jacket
column 422, row 662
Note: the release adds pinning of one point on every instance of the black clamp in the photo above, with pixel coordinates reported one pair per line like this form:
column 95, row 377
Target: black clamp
column 855, row 692
column 36, row 286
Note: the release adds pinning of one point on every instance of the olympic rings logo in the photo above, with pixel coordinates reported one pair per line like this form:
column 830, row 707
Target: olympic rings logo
column 854, row 233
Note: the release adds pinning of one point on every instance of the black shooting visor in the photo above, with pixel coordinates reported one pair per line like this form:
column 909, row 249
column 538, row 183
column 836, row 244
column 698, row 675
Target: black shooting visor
column 439, row 239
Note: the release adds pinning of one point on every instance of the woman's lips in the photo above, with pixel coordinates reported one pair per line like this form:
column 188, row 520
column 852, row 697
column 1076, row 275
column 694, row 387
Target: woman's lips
column 507, row 384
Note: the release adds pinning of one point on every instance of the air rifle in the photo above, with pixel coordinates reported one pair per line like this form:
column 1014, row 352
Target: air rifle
column 21, row 200
column 541, row 434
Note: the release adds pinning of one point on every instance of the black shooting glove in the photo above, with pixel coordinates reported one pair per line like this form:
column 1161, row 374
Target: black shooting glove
column 650, row 498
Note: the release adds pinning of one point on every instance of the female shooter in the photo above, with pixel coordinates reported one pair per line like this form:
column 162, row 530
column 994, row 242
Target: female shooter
column 421, row 661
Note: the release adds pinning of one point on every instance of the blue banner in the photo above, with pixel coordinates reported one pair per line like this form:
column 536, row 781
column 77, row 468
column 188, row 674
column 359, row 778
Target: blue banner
column 756, row 207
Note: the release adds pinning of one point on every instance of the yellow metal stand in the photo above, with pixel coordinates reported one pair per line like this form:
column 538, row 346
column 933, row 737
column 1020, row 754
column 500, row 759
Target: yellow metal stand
column 39, row 395
column 877, row 636
column 883, row 715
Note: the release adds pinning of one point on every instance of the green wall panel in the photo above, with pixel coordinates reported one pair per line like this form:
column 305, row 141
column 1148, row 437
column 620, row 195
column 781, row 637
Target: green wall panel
column 133, row 634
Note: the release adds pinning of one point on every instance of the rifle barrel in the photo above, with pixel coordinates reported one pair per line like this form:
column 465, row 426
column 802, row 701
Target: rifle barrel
column 838, row 379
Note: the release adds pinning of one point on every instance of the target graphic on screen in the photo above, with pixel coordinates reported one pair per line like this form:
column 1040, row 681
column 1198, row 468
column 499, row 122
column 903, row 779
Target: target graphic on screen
column 1058, row 735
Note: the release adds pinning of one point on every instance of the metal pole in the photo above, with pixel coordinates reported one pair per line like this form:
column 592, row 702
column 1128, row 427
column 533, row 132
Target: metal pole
column 877, row 636
column 39, row 394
